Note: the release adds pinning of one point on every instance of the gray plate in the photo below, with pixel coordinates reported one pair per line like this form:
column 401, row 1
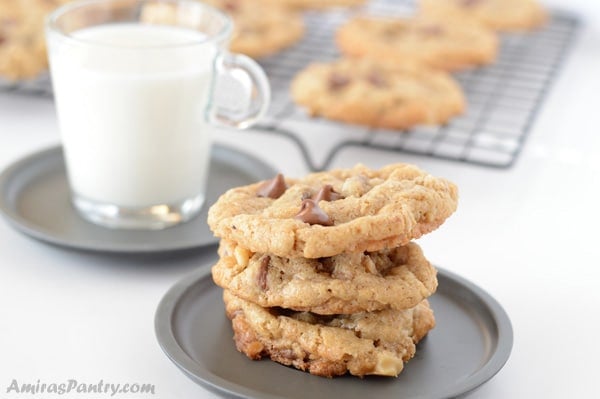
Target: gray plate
column 34, row 198
column 470, row 344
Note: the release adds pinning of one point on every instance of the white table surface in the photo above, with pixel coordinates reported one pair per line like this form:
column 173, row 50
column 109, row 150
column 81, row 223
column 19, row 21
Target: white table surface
column 527, row 235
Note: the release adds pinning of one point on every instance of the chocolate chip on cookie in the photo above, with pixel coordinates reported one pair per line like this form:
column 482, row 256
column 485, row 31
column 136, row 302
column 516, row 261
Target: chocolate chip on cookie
column 431, row 30
column 311, row 213
column 338, row 81
column 326, row 193
column 470, row 3
column 375, row 78
column 325, row 265
column 262, row 272
column 231, row 6
column 273, row 188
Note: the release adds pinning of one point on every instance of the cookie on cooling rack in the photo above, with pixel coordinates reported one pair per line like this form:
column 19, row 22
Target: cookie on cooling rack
column 502, row 15
column 22, row 41
column 259, row 29
column 376, row 343
column 329, row 213
column 378, row 94
column 397, row 278
column 315, row 4
column 432, row 42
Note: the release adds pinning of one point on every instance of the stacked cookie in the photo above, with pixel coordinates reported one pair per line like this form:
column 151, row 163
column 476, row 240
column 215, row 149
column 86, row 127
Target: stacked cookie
column 321, row 273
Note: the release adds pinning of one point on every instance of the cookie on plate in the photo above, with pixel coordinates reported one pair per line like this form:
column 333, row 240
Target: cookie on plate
column 501, row 15
column 376, row 343
column 348, row 283
column 259, row 29
column 328, row 213
column 435, row 43
column 314, row 4
column 377, row 94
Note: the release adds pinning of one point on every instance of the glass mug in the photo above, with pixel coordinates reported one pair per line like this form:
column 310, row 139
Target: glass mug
column 140, row 86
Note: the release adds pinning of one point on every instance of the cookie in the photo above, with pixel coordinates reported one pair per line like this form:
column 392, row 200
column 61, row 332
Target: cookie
column 259, row 30
column 376, row 343
column 22, row 40
column 501, row 15
column 348, row 283
column 315, row 4
column 435, row 43
column 377, row 94
column 328, row 213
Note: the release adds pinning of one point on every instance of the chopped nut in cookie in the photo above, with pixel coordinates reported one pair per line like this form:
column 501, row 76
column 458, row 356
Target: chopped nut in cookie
column 356, row 186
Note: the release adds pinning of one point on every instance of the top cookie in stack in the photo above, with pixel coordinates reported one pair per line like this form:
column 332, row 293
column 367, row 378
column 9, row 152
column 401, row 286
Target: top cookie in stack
column 329, row 213
column 319, row 273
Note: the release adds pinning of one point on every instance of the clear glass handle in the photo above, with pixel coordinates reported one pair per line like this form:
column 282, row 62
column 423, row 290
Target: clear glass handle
column 241, row 92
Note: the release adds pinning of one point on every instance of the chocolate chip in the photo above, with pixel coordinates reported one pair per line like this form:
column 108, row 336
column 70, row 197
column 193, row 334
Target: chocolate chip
column 325, row 265
column 8, row 22
column 431, row 30
column 470, row 3
column 273, row 188
column 311, row 213
column 2, row 39
column 338, row 81
column 262, row 272
column 231, row 6
column 391, row 32
column 376, row 80
column 326, row 193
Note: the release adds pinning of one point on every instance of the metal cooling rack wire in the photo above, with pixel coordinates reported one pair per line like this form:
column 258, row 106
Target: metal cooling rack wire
column 503, row 99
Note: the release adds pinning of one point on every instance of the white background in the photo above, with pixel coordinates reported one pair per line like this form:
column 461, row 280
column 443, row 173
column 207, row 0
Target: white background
column 528, row 235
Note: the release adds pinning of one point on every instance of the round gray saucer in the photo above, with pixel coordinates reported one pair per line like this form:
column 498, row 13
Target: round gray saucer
column 35, row 199
column 470, row 343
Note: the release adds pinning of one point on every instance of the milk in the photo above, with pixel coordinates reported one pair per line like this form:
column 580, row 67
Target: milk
column 131, row 102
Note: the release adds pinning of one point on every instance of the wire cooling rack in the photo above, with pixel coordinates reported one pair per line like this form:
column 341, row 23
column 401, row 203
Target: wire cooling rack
column 503, row 99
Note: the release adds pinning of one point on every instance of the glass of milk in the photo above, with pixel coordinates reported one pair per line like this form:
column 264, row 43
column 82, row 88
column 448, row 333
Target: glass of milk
column 140, row 86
